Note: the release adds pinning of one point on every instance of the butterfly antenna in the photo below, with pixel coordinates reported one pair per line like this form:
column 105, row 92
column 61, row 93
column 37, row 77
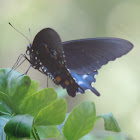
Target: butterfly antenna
column 19, row 32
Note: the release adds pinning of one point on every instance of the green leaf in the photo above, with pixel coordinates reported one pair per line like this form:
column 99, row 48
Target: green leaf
column 80, row 121
column 3, row 81
column 14, row 85
column 53, row 114
column 18, row 87
column 45, row 132
column 4, row 109
column 21, row 89
column 16, row 81
column 19, row 126
column 3, row 120
column 7, row 100
column 110, row 122
column 34, row 103
column 33, row 88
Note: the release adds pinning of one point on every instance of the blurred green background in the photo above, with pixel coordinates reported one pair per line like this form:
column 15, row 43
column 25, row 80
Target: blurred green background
column 118, row 82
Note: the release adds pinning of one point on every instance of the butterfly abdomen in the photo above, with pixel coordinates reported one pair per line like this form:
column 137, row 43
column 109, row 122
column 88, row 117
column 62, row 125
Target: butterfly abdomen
column 67, row 82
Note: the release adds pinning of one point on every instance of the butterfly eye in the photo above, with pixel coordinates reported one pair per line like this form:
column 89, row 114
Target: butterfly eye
column 28, row 49
column 28, row 52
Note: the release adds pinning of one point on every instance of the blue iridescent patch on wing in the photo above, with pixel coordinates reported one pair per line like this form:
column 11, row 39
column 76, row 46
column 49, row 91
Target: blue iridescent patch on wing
column 84, row 81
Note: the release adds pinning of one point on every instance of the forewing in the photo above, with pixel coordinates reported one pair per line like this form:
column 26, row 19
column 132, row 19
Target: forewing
column 86, row 55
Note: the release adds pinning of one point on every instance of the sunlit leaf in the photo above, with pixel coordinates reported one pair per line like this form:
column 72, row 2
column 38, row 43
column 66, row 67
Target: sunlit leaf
column 33, row 88
column 53, row 114
column 47, row 131
column 34, row 103
column 80, row 121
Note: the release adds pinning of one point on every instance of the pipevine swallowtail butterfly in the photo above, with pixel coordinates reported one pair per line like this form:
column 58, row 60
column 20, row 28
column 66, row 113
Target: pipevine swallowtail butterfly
column 73, row 64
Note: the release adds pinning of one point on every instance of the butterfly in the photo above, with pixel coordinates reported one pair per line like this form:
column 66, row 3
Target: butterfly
column 73, row 64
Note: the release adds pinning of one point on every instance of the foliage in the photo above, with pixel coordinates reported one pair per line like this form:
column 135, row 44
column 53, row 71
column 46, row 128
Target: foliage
column 26, row 112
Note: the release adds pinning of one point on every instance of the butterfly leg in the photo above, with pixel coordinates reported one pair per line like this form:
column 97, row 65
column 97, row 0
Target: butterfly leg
column 16, row 65
column 28, row 69
column 25, row 72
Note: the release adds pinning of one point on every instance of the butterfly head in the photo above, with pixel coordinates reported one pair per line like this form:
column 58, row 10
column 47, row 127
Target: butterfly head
column 28, row 49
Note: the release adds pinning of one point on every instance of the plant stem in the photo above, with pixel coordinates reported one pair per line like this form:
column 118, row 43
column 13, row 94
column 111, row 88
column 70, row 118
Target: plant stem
column 7, row 138
column 35, row 134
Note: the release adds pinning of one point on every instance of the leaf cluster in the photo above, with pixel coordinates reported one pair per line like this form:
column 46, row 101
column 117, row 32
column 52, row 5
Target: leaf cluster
column 26, row 112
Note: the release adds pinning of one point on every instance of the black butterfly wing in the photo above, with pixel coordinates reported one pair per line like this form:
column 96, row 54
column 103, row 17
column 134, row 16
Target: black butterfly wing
column 83, row 58
column 86, row 55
